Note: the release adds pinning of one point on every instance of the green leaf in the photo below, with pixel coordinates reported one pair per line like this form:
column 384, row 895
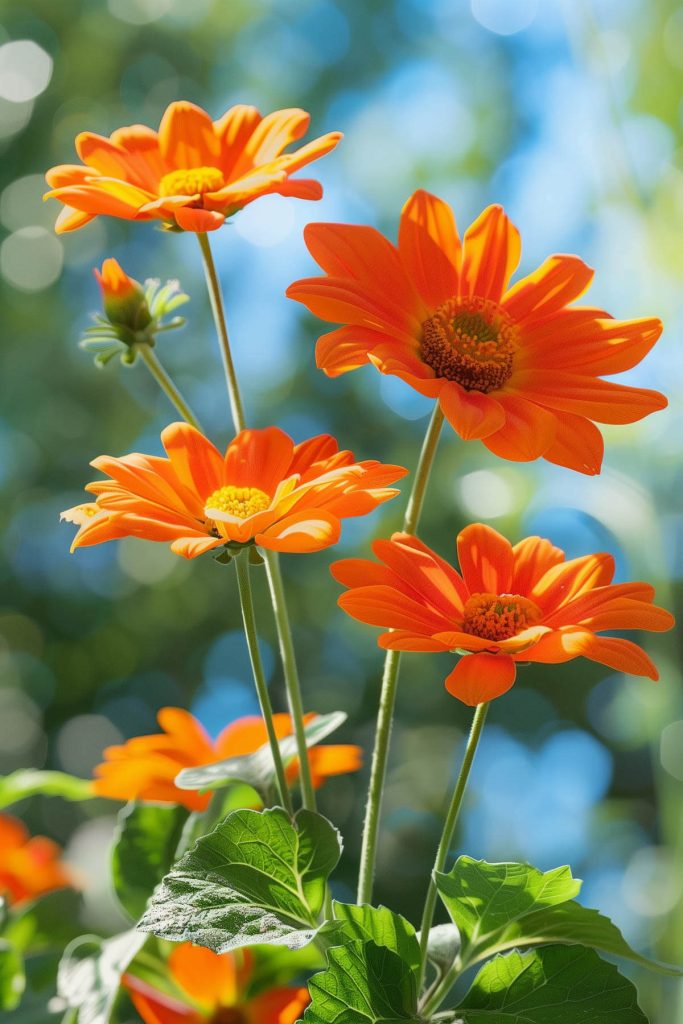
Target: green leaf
column 364, row 984
column 12, row 978
column 553, row 985
column 381, row 926
column 258, row 877
column 145, row 843
column 90, row 974
column 48, row 922
column 257, row 769
column 27, row 782
column 443, row 946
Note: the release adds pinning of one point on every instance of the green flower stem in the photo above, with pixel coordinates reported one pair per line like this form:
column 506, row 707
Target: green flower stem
column 387, row 698
column 291, row 674
column 246, row 600
column 151, row 361
column 447, row 835
column 216, row 300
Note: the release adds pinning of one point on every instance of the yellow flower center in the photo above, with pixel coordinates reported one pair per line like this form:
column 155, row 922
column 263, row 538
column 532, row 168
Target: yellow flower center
column 238, row 501
column 471, row 341
column 497, row 617
column 188, row 181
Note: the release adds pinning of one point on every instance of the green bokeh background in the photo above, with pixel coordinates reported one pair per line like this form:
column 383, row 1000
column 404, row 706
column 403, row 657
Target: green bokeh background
column 570, row 115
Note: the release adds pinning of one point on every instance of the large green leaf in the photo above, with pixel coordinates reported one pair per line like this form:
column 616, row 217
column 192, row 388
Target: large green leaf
column 379, row 925
column 552, row 985
column 90, row 974
column 257, row 770
column 12, row 978
column 27, row 782
column 145, row 843
column 258, row 877
column 364, row 984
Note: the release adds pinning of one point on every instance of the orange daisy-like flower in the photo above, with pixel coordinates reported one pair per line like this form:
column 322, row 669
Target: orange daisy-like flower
column 192, row 173
column 213, row 988
column 145, row 768
column 264, row 490
column 29, row 865
column 506, row 605
column 516, row 367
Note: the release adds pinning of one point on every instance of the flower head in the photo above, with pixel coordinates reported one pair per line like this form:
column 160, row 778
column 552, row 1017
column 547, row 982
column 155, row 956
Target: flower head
column 192, row 173
column 265, row 490
column 29, row 865
column 145, row 768
column 507, row 604
column 213, row 988
column 517, row 367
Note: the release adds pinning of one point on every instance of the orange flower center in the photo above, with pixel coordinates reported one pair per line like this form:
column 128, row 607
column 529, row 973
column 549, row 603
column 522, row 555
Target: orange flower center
column 238, row 501
column 471, row 341
column 499, row 616
column 188, row 181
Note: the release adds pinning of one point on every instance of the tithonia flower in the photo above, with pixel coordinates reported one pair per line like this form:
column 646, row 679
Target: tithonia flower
column 515, row 366
column 29, row 865
column 506, row 605
column 123, row 298
column 213, row 988
column 264, row 490
column 192, row 173
column 145, row 767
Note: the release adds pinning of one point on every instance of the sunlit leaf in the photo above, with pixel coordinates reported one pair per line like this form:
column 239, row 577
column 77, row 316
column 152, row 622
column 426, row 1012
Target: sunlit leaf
column 379, row 925
column 145, row 843
column 258, row 877
column 27, row 782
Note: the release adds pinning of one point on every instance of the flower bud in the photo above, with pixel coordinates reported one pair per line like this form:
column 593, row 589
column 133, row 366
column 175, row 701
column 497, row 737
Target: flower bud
column 124, row 300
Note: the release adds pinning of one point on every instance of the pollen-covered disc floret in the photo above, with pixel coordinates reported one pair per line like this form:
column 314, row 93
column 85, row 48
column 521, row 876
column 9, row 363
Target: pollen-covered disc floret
column 241, row 502
column 499, row 616
column 471, row 341
column 188, row 181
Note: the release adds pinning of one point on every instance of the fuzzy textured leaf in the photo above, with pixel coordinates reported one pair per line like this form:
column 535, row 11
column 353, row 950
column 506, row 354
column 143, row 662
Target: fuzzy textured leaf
column 364, row 984
column 552, row 985
column 146, row 839
column 258, row 877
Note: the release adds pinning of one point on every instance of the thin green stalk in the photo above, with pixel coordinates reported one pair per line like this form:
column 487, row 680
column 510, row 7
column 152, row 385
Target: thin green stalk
column 216, row 300
column 151, row 361
column 291, row 674
column 387, row 699
column 448, row 832
column 246, row 600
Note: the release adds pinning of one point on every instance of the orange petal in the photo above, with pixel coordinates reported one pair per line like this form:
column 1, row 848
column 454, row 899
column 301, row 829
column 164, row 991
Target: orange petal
column 486, row 560
column 533, row 556
column 405, row 640
column 107, row 158
column 302, row 532
column 481, row 677
column 386, row 606
column 259, row 458
column 144, row 156
column 68, row 174
column 313, row 150
column 234, row 129
column 197, row 463
column 343, row 301
column 277, row 1006
column 556, row 283
column 156, row 1007
column 620, row 655
column 247, row 734
column 429, row 246
column 209, row 978
column 106, row 198
column 276, row 131
column 527, row 433
column 335, row 759
column 432, row 580
column 585, row 340
column 192, row 547
column 472, row 414
column 491, row 252
column 187, row 138
column 71, row 220
column 578, row 444
column 596, row 399
column 300, row 188
column 190, row 219
column 563, row 582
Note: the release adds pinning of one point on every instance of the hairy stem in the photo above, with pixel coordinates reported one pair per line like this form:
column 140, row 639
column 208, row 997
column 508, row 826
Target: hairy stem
column 172, row 392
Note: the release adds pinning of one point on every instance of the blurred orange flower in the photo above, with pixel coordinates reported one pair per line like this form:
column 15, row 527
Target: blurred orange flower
column 192, row 173
column 265, row 490
column 507, row 604
column 516, row 367
column 145, row 767
column 213, row 988
column 29, row 865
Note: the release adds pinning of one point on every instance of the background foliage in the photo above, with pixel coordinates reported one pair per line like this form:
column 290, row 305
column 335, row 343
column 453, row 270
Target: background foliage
column 568, row 114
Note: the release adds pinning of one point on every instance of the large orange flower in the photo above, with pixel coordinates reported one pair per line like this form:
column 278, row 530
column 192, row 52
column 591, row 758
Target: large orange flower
column 517, row 367
column 506, row 605
column 213, row 988
column 265, row 490
column 192, row 173
column 29, row 865
column 145, row 767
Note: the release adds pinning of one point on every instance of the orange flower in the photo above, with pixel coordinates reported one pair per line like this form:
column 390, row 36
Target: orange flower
column 192, row 173
column 266, row 490
column 145, row 767
column 213, row 988
column 517, row 367
column 29, row 865
column 507, row 605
